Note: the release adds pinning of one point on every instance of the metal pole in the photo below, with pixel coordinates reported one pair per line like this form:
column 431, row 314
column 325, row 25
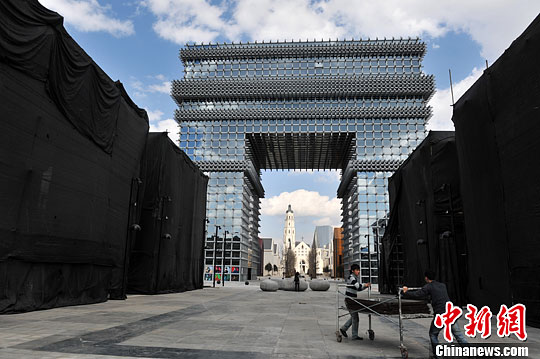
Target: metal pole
column 369, row 288
column 377, row 241
column 223, row 259
column 337, row 310
column 451, row 86
column 205, row 247
column 215, row 248
column 400, row 320
column 369, row 266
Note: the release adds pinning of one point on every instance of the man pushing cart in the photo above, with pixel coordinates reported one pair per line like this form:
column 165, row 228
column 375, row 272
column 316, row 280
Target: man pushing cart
column 384, row 307
column 353, row 286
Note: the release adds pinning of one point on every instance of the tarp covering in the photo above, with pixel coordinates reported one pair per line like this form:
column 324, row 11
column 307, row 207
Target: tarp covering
column 64, row 191
column 167, row 254
column 426, row 216
column 34, row 41
column 497, row 125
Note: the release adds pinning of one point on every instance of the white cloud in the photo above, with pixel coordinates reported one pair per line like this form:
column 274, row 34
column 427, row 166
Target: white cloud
column 304, row 203
column 327, row 221
column 442, row 101
column 136, row 84
column 186, row 20
column 328, row 177
column 154, row 116
column 89, row 16
column 164, row 87
column 283, row 19
column 159, row 125
column 142, row 88
column 332, row 176
column 201, row 21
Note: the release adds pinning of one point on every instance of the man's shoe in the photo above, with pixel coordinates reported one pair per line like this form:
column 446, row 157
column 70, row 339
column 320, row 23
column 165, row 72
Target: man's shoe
column 357, row 338
column 343, row 332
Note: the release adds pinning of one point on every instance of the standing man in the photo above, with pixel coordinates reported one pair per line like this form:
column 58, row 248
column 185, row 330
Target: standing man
column 296, row 282
column 439, row 296
column 353, row 286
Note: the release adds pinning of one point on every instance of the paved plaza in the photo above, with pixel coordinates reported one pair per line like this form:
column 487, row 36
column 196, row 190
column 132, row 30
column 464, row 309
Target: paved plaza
column 236, row 321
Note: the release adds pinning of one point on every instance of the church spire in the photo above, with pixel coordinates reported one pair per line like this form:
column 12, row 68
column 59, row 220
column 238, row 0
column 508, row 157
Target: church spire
column 289, row 235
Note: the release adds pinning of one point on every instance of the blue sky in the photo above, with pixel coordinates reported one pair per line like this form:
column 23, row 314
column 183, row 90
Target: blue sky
column 138, row 43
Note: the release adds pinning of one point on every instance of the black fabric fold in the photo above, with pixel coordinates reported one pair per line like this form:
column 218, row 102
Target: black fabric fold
column 34, row 41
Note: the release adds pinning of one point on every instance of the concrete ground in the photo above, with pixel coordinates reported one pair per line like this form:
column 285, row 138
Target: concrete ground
column 235, row 321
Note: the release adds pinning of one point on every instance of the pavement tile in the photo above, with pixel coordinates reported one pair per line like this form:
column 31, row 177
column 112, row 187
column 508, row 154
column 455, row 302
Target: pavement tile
column 235, row 321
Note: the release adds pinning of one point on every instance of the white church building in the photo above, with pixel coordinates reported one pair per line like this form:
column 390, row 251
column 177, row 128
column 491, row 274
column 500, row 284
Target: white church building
column 302, row 249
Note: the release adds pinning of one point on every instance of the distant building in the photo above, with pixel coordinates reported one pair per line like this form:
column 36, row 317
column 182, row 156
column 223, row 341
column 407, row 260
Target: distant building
column 324, row 237
column 301, row 250
column 271, row 255
column 261, row 257
column 338, row 253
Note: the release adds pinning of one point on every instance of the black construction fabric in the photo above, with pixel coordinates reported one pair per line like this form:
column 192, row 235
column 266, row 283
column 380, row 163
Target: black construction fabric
column 167, row 254
column 64, row 202
column 498, row 141
column 426, row 218
column 34, row 41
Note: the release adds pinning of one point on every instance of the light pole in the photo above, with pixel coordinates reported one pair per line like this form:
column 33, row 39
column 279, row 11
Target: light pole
column 215, row 242
column 369, row 259
column 223, row 259
column 203, row 250
column 369, row 288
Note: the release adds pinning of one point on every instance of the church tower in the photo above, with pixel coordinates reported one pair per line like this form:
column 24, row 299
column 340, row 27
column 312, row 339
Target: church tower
column 289, row 236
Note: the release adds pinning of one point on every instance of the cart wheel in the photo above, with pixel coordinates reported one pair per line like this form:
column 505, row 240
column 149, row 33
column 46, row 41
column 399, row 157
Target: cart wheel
column 371, row 334
column 404, row 353
column 338, row 337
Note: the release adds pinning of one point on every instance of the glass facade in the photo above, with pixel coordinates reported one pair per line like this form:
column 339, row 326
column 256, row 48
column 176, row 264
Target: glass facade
column 356, row 106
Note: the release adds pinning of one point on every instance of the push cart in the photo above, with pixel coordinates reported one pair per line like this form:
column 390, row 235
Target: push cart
column 387, row 308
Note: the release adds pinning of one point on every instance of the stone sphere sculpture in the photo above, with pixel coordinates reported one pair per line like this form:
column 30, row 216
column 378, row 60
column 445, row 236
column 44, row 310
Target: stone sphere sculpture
column 288, row 284
column 269, row 285
column 319, row 285
column 279, row 282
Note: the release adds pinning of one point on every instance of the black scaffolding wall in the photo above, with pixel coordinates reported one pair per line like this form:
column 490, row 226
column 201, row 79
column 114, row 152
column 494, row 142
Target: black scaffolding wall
column 167, row 254
column 425, row 229
column 498, row 141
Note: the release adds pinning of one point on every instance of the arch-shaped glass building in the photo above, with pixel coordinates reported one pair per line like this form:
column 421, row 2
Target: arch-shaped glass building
column 357, row 106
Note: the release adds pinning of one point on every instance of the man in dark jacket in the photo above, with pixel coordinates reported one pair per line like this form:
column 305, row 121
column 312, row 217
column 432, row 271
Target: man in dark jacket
column 439, row 296
column 297, row 282
column 353, row 286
